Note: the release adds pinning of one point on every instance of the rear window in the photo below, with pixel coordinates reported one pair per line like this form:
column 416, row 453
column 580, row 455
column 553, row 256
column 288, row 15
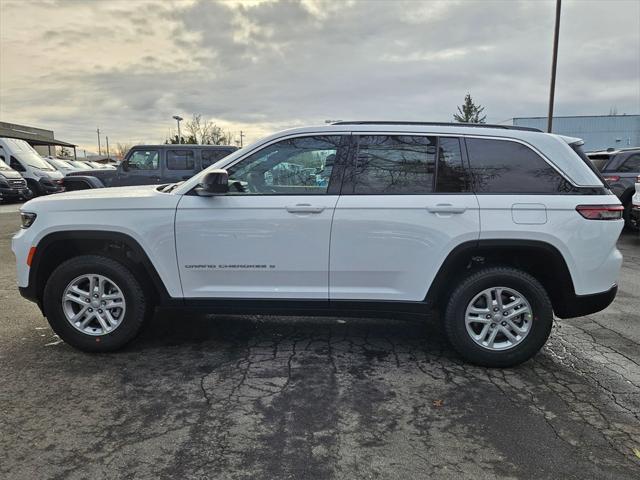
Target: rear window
column 180, row 160
column 503, row 166
column 595, row 163
column 631, row 164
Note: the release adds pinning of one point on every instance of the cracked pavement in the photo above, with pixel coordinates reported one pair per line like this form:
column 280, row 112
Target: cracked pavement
column 230, row 397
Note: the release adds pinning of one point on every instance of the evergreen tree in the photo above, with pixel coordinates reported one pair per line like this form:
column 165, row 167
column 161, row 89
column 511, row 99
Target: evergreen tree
column 469, row 112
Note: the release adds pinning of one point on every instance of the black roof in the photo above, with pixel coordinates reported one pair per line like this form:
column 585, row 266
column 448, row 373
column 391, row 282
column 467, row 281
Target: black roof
column 186, row 145
column 438, row 124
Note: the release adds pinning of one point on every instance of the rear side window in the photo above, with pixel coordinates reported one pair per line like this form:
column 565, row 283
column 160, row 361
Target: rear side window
column 209, row 157
column 393, row 164
column 452, row 176
column 631, row 164
column 180, row 160
column 503, row 166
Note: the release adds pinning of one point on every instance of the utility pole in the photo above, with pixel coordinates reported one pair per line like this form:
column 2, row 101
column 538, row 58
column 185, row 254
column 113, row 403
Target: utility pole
column 554, row 63
column 98, row 131
column 241, row 138
column 107, row 147
column 178, row 119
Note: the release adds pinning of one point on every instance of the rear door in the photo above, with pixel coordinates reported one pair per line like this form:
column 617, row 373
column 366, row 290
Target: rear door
column 180, row 164
column 406, row 202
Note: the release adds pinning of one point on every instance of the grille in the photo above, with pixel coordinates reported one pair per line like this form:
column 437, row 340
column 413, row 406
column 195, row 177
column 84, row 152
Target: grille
column 17, row 183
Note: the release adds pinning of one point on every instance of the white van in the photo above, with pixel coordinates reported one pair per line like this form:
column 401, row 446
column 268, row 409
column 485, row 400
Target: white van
column 41, row 177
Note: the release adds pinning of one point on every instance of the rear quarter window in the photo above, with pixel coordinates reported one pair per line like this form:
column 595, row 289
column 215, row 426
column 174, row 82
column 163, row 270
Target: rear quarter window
column 504, row 166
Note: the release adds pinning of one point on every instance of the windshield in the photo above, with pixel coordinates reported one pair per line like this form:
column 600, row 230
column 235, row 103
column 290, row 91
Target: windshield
column 4, row 166
column 78, row 164
column 27, row 154
column 61, row 163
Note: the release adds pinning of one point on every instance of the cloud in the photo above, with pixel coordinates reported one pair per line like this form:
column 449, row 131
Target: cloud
column 261, row 66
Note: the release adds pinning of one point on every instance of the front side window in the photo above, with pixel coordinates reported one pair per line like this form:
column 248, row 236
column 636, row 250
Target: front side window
column 144, row 160
column 300, row 165
column 393, row 164
column 180, row 160
column 631, row 164
column 503, row 166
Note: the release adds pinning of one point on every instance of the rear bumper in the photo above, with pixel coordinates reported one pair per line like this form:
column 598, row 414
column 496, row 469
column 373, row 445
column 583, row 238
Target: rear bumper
column 635, row 212
column 580, row 305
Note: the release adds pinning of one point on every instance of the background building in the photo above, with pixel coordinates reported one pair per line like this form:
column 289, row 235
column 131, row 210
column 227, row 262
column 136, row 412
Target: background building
column 42, row 140
column 599, row 132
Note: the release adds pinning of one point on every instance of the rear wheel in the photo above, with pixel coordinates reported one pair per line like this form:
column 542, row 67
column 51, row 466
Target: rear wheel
column 498, row 317
column 94, row 303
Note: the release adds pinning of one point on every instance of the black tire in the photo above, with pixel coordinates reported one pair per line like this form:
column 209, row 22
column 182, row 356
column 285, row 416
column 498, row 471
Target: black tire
column 136, row 303
column 35, row 188
column 536, row 295
column 629, row 222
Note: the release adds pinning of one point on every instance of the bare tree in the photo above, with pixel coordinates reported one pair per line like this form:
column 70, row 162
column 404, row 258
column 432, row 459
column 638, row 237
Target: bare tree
column 121, row 150
column 205, row 132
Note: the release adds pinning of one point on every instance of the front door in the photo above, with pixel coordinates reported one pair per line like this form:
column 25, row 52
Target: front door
column 269, row 236
column 406, row 202
column 142, row 168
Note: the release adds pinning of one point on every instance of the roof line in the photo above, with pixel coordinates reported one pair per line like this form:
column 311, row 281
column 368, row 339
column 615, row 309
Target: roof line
column 438, row 124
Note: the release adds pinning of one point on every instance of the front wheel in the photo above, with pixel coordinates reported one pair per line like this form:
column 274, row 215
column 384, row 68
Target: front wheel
column 498, row 317
column 94, row 303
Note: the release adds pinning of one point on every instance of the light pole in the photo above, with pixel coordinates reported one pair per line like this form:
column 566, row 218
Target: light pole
column 178, row 119
column 554, row 63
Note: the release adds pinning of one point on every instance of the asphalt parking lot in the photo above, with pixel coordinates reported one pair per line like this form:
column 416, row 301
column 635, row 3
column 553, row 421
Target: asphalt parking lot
column 268, row 398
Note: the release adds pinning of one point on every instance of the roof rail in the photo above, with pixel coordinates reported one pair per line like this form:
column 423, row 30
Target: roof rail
column 438, row 124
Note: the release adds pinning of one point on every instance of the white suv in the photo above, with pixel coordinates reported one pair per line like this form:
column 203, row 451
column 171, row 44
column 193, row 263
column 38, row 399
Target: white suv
column 497, row 227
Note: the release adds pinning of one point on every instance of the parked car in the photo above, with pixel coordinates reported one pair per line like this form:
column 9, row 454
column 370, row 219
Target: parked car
column 41, row 177
column 494, row 226
column 620, row 169
column 635, row 202
column 81, row 165
column 12, row 185
column 151, row 164
column 63, row 166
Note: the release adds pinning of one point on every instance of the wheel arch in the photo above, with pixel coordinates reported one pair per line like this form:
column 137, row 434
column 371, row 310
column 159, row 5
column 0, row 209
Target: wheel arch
column 538, row 258
column 57, row 247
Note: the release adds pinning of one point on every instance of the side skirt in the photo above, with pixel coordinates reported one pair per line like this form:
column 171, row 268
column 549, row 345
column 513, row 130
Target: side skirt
column 294, row 307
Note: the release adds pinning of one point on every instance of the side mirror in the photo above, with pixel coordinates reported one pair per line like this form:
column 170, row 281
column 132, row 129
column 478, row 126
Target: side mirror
column 125, row 165
column 215, row 182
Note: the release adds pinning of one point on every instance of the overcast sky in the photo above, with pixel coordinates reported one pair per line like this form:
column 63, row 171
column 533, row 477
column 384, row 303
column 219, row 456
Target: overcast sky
column 127, row 66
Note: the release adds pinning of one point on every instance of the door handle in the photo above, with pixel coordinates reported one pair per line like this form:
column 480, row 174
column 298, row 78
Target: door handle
column 446, row 208
column 304, row 208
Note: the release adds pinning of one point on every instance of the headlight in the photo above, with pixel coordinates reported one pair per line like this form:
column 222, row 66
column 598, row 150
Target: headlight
column 27, row 219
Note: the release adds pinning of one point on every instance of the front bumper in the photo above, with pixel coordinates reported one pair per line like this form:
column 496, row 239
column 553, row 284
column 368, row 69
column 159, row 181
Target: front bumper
column 50, row 186
column 8, row 192
column 580, row 305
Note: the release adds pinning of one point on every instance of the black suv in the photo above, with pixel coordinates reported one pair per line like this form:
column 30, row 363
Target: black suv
column 620, row 169
column 151, row 164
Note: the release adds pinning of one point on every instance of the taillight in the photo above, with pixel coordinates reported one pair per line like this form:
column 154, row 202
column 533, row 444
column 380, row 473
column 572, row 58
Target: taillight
column 611, row 178
column 600, row 212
